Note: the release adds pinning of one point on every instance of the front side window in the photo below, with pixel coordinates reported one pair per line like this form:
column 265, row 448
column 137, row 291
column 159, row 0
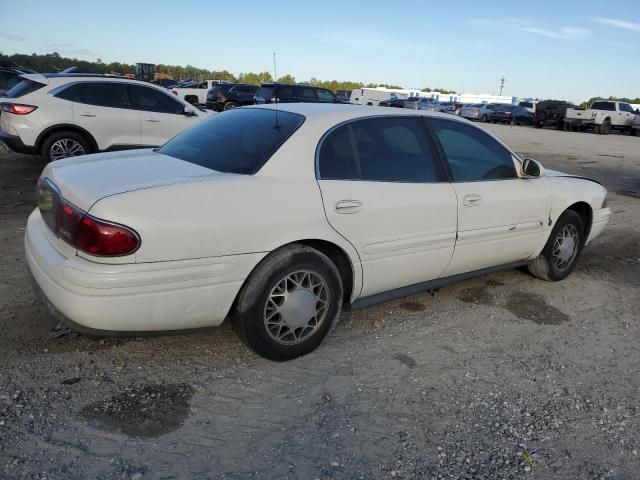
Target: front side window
column 625, row 107
column 237, row 141
column 151, row 100
column 307, row 94
column 379, row 149
column 105, row 94
column 472, row 154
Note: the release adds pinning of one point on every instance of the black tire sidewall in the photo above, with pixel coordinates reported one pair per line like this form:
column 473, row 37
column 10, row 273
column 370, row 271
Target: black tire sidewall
column 51, row 139
column 250, row 310
column 568, row 217
column 228, row 107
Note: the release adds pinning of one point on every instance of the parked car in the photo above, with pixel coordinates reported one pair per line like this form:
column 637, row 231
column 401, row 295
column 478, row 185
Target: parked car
column 511, row 114
column 195, row 94
column 276, row 216
column 603, row 117
column 370, row 96
column 393, row 102
column 65, row 115
column 454, row 108
column 226, row 96
column 487, row 109
column 530, row 105
column 635, row 126
column 551, row 113
column 294, row 93
column 471, row 111
column 422, row 103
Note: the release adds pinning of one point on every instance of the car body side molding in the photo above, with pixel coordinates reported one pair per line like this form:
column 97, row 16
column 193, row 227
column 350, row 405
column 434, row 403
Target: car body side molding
column 429, row 285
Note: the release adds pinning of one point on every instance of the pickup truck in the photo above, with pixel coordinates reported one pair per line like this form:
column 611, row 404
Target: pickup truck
column 196, row 95
column 603, row 117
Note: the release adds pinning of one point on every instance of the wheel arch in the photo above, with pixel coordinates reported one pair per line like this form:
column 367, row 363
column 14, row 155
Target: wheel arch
column 586, row 213
column 66, row 127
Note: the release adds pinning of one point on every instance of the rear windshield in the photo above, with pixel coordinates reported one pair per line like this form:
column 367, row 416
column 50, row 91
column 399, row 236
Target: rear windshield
column 23, row 88
column 604, row 106
column 236, row 141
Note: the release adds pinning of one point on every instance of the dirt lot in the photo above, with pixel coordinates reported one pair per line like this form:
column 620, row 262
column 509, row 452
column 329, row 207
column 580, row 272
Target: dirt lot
column 504, row 376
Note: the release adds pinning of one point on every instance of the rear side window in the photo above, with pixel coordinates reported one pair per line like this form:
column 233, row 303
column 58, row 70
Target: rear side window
column 379, row 149
column 24, row 87
column 326, row 96
column 151, row 100
column 105, row 94
column 237, row 141
column 72, row 92
column 472, row 154
column 610, row 106
column 307, row 94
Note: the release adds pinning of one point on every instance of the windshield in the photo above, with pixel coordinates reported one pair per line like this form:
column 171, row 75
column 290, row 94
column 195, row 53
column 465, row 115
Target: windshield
column 236, row 141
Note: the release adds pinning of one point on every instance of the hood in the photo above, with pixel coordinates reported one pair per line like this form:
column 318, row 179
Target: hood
column 85, row 180
column 555, row 173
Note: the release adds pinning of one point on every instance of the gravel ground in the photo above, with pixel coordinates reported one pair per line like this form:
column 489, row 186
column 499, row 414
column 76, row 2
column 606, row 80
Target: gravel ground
column 503, row 376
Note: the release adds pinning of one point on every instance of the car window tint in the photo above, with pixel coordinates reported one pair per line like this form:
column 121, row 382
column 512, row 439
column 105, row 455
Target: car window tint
column 380, row 149
column 625, row 107
column 326, row 96
column 151, row 100
column 266, row 93
column 307, row 94
column 472, row 154
column 610, row 106
column 72, row 92
column 105, row 94
column 236, row 141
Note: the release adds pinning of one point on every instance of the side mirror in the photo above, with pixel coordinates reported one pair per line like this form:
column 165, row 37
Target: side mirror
column 532, row 169
column 189, row 112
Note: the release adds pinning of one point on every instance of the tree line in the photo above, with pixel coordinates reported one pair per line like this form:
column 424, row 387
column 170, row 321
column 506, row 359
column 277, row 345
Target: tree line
column 53, row 62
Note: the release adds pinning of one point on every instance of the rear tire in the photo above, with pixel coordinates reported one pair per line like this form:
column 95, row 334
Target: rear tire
column 605, row 128
column 562, row 250
column 230, row 105
column 289, row 303
column 484, row 118
column 64, row 144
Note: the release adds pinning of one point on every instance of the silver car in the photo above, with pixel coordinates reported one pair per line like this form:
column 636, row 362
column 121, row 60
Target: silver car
column 471, row 112
column 486, row 110
column 422, row 104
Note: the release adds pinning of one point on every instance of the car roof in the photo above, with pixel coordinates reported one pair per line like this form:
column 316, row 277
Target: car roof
column 346, row 111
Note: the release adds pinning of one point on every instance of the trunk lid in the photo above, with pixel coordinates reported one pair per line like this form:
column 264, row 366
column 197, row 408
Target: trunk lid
column 84, row 180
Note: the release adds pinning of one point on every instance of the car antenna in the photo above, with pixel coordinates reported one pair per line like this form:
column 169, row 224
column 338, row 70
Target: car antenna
column 275, row 90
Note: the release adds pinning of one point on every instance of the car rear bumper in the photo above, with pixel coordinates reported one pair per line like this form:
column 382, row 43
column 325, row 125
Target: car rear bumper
column 130, row 298
column 15, row 143
column 599, row 222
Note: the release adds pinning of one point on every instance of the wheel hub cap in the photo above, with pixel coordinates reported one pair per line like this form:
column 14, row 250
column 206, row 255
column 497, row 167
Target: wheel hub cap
column 565, row 247
column 65, row 147
column 296, row 307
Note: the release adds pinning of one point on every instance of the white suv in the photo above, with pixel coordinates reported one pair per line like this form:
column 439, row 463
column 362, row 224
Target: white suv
column 64, row 115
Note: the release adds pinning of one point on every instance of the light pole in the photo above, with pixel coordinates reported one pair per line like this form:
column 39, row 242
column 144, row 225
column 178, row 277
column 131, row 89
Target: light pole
column 501, row 85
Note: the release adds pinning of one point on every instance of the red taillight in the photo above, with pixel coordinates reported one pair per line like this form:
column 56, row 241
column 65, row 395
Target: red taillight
column 105, row 239
column 17, row 108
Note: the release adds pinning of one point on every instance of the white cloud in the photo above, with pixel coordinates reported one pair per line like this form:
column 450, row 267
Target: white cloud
column 12, row 37
column 615, row 22
column 536, row 28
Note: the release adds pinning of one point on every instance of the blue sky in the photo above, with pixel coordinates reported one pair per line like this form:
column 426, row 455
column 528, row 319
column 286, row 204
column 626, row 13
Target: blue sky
column 552, row 49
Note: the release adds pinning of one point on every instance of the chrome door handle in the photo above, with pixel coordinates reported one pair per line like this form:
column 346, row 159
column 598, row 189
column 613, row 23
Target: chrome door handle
column 152, row 120
column 472, row 200
column 87, row 115
column 348, row 206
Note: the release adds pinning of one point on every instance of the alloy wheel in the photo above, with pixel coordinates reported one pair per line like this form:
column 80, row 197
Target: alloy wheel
column 565, row 247
column 65, row 147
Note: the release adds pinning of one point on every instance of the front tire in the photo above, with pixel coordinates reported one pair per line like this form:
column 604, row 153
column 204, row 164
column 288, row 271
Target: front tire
column 560, row 255
column 64, row 144
column 289, row 303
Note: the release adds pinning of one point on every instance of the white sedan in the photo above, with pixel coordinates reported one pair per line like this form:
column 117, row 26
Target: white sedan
column 276, row 217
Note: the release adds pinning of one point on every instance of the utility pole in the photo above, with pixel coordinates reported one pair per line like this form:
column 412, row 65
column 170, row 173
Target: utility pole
column 501, row 85
column 275, row 71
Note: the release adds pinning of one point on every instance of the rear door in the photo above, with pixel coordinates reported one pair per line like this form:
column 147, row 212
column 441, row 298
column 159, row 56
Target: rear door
column 102, row 108
column 500, row 215
column 161, row 116
column 626, row 113
column 383, row 189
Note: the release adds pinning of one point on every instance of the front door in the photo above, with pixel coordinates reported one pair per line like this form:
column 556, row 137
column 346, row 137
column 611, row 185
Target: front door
column 384, row 191
column 501, row 216
column 102, row 109
column 161, row 116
